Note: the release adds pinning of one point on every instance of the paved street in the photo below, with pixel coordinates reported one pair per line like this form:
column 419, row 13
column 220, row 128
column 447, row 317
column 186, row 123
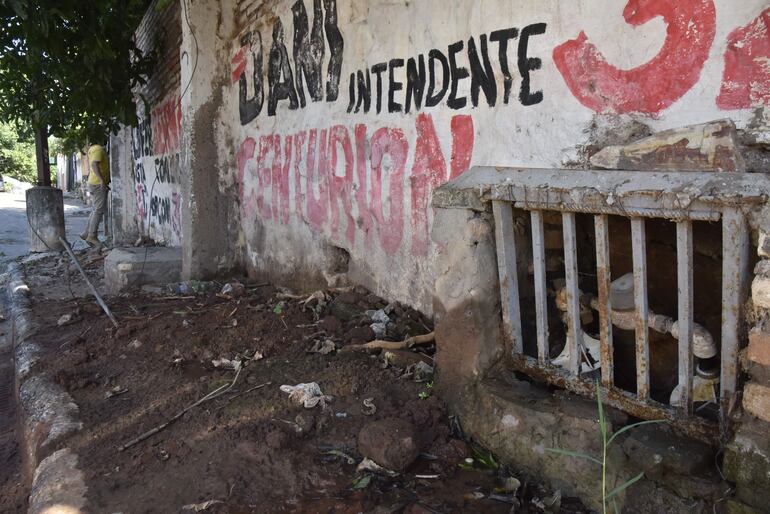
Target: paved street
column 13, row 225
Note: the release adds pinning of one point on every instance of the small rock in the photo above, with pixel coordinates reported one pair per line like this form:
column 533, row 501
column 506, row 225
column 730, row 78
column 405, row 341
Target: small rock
column 404, row 358
column 653, row 448
column 390, row 442
column 760, row 292
column 135, row 344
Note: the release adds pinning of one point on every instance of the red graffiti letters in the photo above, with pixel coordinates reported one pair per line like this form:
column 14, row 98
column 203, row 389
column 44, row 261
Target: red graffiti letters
column 746, row 81
column 348, row 180
column 655, row 85
column 389, row 154
column 167, row 126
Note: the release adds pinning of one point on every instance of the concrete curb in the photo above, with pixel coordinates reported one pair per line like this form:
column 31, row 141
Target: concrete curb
column 48, row 413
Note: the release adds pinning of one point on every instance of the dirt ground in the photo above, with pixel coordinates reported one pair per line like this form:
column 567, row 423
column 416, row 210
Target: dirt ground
column 253, row 449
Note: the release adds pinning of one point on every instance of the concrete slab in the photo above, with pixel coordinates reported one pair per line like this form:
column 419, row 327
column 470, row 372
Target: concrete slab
column 126, row 268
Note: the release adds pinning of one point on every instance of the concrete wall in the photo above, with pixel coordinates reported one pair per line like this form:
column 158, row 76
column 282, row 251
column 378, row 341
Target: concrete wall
column 334, row 133
column 315, row 130
column 146, row 167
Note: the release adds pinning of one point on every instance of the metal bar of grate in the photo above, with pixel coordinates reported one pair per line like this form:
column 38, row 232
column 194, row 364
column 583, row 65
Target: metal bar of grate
column 735, row 255
column 508, row 272
column 575, row 337
column 684, row 264
column 639, row 250
column 541, row 288
column 603, row 273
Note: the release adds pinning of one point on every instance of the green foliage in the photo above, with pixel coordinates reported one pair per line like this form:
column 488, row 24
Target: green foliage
column 69, row 66
column 604, row 429
column 17, row 154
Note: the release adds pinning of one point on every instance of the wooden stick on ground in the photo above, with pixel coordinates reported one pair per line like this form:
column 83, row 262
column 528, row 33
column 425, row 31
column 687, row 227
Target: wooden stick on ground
column 96, row 294
column 378, row 345
column 214, row 394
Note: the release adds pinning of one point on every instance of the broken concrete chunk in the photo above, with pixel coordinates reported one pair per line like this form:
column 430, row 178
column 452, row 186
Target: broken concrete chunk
column 763, row 246
column 390, row 442
column 756, row 401
column 706, row 147
column 760, row 292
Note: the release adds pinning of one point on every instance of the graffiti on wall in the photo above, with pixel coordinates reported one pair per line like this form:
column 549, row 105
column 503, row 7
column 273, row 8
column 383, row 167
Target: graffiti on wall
column 657, row 84
column 746, row 80
column 368, row 184
column 156, row 141
column 339, row 175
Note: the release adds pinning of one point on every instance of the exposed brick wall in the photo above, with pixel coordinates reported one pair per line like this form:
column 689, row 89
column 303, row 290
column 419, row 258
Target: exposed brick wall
column 165, row 30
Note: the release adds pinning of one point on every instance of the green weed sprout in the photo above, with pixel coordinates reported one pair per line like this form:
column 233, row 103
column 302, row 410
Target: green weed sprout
column 606, row 442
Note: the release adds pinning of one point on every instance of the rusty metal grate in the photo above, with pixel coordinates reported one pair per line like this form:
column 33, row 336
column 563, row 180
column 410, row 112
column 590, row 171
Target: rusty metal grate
column 680, row 198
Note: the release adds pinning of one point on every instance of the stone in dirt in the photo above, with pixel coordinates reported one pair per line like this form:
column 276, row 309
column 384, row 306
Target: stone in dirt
column 706, row 147
column 390, row 442
column 653, row 449
column 405, row 358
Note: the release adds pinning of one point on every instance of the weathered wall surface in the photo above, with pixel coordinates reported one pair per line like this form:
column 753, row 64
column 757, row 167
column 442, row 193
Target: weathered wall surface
column 339, row 118
column 148, row 194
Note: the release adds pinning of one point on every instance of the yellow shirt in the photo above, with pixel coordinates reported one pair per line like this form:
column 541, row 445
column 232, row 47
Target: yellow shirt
column 97, row 153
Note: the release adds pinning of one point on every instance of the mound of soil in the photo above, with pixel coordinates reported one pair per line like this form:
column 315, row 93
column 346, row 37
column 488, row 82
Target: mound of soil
column 253, row 449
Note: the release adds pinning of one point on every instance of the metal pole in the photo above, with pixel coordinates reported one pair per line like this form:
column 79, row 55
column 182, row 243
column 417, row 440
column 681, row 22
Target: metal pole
column 99, row 299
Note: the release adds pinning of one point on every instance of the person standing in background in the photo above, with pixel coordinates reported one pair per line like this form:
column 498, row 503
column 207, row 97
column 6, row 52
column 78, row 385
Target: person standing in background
column 98, row 186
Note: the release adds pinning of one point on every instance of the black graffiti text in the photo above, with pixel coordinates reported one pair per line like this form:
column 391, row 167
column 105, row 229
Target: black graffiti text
column 289, row 78
column 163, row 170
column 444, row 75
column 141, row 140
column 160, row 209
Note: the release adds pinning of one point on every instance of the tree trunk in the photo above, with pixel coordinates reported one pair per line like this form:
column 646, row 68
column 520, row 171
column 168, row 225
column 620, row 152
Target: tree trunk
column 41, row 152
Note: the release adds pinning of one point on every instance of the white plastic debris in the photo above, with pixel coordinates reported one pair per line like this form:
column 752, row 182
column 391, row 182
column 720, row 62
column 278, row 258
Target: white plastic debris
column 234, row 289
column 200, row 507
column 226, row 364
column 591, row 347
column 66, row 318
column 369, row 465
column 308, row 395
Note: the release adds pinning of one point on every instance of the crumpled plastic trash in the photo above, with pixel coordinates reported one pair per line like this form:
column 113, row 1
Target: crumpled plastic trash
column 308, row 395
column 234, row 289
